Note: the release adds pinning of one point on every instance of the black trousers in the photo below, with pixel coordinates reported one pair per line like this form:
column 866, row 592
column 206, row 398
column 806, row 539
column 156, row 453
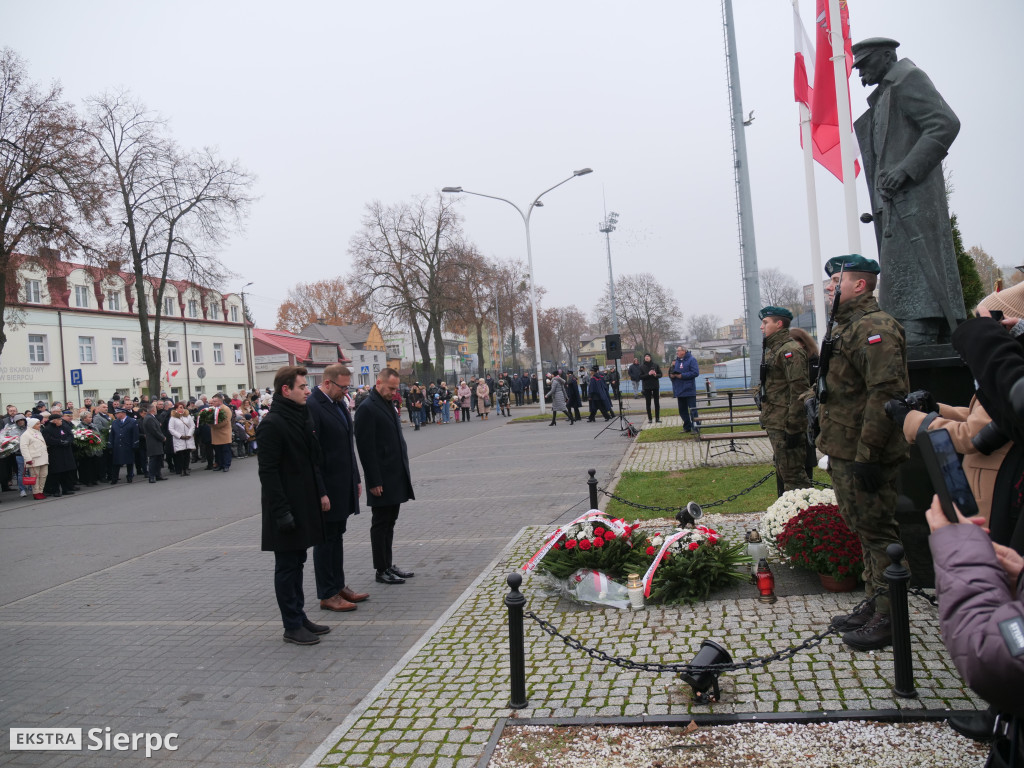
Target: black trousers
column 687, row 404
column 382, row 534
column 155, row 463
column 288, row 586
column 329, row 560
column 653, row 394
column 223, row 454
column 115, row 473
column 181, row 461
column 519, row 397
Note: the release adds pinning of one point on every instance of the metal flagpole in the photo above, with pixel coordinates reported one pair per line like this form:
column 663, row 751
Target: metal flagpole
column 845, row 126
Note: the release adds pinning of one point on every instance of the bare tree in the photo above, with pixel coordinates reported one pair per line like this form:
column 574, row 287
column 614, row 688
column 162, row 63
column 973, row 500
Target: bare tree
column 988, row 270
column 780, row 290
column 405, row 267
column 48, row 191
column 568, row 324
column 477, row 276
column 330, row 301
column 175, row 207
column 703, row 327
column 513, row 312
column 647, row 311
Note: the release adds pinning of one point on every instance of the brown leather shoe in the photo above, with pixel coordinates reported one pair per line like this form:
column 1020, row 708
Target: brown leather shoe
column 337, row 603
column 353, row 597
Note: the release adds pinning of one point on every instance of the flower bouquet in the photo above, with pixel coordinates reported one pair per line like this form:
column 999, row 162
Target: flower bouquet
column 686, row 565
column 818, row 539
column 789, row 505
column 87, row 442
column 592, row 541
column 9, row 445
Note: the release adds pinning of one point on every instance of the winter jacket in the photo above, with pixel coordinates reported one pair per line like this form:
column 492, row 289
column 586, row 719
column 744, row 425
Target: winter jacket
column 183, row 432
column 559, row 396
column 981, row 617
column 220, row 433
column 572, row 387
column 482, row 391
column 33, row 446
column 58, row 446
column 651, row 383
column 684, row 373
column 154, row 436
column 383, row 453
column 124, row 438
column 635, row 372
column 466, row 394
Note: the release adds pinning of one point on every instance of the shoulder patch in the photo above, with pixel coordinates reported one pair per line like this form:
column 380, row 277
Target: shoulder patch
column 1013, row 633
column 874, row 338
column 789, row 354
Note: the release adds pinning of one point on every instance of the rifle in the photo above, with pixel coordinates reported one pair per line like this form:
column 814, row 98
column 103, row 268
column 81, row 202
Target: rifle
column 828, row 342
column 759, row 397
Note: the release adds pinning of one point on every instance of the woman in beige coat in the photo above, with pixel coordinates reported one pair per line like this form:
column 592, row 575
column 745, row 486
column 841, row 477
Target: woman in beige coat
column 483, row 404
column 37, row 459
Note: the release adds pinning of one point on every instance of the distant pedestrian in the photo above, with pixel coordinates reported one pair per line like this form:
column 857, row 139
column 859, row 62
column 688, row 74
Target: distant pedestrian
column 483, row 399
column 37, row 459
column 154, row 444
column 684, row 373
column 182, row 427
column 652, row 387
column 465, row 400
column 220, row 433
column 293, row 498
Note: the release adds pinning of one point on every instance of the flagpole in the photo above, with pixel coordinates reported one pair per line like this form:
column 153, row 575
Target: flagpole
column 812, row 222
column 846, row 151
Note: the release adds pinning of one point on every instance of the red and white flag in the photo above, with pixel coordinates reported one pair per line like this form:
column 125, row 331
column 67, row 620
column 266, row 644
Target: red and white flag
column 814, row 84
column 170, row 375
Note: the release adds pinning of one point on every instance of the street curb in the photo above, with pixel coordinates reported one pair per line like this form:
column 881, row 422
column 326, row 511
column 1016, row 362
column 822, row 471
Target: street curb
column 338, row 733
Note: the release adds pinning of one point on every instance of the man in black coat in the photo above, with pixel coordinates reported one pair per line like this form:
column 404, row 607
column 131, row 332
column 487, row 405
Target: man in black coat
column 293, row 498
column 154, row 443
column 58, row 436
column 124, row 437
column 385, row 460
column 333, row 426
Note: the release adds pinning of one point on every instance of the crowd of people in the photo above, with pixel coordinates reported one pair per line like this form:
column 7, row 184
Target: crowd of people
column 54, row 449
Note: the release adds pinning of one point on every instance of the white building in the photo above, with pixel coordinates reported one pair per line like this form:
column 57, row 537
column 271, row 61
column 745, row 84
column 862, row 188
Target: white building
column 73, row 332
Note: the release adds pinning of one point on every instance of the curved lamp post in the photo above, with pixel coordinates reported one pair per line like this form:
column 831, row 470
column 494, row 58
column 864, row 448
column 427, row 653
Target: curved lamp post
column 529, row 259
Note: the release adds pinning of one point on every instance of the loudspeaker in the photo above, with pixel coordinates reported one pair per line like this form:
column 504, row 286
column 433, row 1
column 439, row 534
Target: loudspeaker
column 613, row 347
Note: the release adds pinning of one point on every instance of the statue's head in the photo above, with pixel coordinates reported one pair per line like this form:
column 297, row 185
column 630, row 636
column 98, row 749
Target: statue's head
column 873, row 58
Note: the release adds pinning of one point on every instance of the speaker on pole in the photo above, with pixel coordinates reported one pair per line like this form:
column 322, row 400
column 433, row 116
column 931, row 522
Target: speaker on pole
column 613, row 347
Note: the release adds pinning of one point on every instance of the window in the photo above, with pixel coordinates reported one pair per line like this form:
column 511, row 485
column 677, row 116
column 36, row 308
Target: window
column 176, row 393
column 197, row 352
column 81, row 296
column 362, row 358
column 114, row 301
column 234, row 313
column 193, row 308
column 122, row 391
column 214, row 312
column 238, row 354
column 199, row 388
column 93, row 393
column 172, row 353
column 37, row 353
column 169, row 306
column 117, row 348
column 44, row 396
column 245, row 387
column 33, row 291
column 218, row 353
column 86, row 349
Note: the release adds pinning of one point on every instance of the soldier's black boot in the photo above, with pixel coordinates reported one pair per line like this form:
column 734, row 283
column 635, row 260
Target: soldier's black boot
column 877, row 633
column 854, row 620
column 980, row 726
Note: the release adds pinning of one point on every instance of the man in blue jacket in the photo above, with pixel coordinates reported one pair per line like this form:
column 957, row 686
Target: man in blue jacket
column 684, row 373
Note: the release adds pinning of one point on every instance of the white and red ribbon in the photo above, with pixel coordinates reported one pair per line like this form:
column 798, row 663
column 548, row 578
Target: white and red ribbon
column 615, row 525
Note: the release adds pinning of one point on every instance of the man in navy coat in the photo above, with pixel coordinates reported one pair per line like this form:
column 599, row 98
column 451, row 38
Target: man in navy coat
column 385, row 460
column 124, row 439
column 332, row 423
column 684, row 373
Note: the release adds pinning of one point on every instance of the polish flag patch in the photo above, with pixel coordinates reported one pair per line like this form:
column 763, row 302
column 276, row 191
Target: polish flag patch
column 789, row 354
column 874, row 339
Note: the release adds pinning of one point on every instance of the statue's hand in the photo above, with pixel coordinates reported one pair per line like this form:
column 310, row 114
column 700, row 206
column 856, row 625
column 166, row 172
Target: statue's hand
column 890, row 182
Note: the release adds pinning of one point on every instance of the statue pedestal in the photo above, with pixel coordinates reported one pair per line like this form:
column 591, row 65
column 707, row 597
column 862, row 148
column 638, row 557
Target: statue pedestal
column 938, row 369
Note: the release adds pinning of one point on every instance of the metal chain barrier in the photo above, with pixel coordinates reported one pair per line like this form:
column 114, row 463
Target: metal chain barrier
column 710, row 504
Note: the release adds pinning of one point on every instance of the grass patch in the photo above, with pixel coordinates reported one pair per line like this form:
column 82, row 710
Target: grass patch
column 703, row 485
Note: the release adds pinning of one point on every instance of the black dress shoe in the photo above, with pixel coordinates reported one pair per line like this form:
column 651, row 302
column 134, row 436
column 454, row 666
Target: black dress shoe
column 395, row 570
column 113, row 482
column 316, row 629
column 980, row 726
column 131, row 478
column 387, row 577
column 300, row 636
column 152, row 480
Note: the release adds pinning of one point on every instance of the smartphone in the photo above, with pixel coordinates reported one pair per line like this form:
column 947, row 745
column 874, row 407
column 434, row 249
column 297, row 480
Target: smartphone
column 997, row 315
column 946, row 473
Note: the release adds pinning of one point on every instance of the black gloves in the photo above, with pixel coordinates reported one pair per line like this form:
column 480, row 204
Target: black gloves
column 868, row 476
column 286, row 523
column 897, row 410
column 793, row 441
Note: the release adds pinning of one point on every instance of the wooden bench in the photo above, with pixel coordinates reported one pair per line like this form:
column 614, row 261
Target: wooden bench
column 732, row 437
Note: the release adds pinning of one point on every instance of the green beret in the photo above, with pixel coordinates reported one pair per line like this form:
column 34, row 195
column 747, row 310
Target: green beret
column 865, row 48
column 775, row 312
column 852, row 262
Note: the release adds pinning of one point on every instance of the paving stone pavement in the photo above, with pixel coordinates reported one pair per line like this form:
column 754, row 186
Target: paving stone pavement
column 185, row 636
column 675, row 455
column 437, row 709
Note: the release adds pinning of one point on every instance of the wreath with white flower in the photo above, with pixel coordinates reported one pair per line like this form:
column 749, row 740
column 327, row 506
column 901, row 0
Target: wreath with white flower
column 788, row 506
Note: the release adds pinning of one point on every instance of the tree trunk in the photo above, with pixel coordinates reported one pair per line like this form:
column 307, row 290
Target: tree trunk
column 438, row 346
column 480, row 348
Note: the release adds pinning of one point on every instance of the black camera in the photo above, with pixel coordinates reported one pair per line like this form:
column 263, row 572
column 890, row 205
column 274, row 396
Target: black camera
column 921, row 400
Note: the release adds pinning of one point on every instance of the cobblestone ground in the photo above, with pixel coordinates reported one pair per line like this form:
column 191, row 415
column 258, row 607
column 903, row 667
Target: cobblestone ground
column 685, row 454
column 438, row 708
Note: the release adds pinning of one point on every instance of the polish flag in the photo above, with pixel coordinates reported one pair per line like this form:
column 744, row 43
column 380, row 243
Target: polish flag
column 814, row 84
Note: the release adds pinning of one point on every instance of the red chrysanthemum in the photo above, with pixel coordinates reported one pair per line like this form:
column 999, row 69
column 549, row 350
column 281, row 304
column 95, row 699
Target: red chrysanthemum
column 598, row 541
column 570, row 544
column 584, row 544
column 650, row 550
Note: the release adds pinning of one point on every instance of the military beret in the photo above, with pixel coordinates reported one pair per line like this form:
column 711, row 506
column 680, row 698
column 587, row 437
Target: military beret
column 852, row 262
column 775, row 312
column 865, row 48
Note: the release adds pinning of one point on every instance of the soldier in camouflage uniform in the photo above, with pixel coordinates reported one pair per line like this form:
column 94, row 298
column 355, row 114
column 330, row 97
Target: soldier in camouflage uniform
column 868, row 367
column 785, row 387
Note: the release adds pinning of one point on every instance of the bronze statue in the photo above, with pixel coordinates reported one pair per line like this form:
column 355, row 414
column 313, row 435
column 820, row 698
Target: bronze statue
column 904, row 135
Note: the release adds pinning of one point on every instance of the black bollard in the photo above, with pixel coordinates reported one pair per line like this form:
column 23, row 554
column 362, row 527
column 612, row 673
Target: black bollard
column 899, row 613
column 592, row 485
column 515, row 601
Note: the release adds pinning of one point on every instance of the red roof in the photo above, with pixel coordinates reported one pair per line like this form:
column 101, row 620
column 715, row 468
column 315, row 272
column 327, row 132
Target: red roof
column 296, row 346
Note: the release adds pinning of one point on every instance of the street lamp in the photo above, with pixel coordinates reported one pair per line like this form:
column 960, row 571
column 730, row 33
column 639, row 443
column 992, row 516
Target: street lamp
column 246, row 338
column 529, row 259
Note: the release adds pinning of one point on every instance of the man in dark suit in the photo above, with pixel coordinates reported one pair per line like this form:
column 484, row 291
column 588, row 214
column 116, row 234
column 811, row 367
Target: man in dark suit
column 154, row 443
column 333, row 426
column 385, row 460
column 293, row 498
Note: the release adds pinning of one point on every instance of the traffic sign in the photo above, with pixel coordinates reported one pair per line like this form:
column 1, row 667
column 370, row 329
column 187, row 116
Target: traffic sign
column 201, row 372
column 76, row 377
column 365, row 369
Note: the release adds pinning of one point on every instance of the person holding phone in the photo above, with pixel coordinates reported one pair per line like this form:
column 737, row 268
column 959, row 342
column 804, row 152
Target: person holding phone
column 868, row 367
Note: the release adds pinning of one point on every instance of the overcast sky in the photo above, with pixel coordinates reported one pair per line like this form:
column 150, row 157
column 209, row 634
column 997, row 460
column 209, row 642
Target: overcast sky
column 335, row 104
